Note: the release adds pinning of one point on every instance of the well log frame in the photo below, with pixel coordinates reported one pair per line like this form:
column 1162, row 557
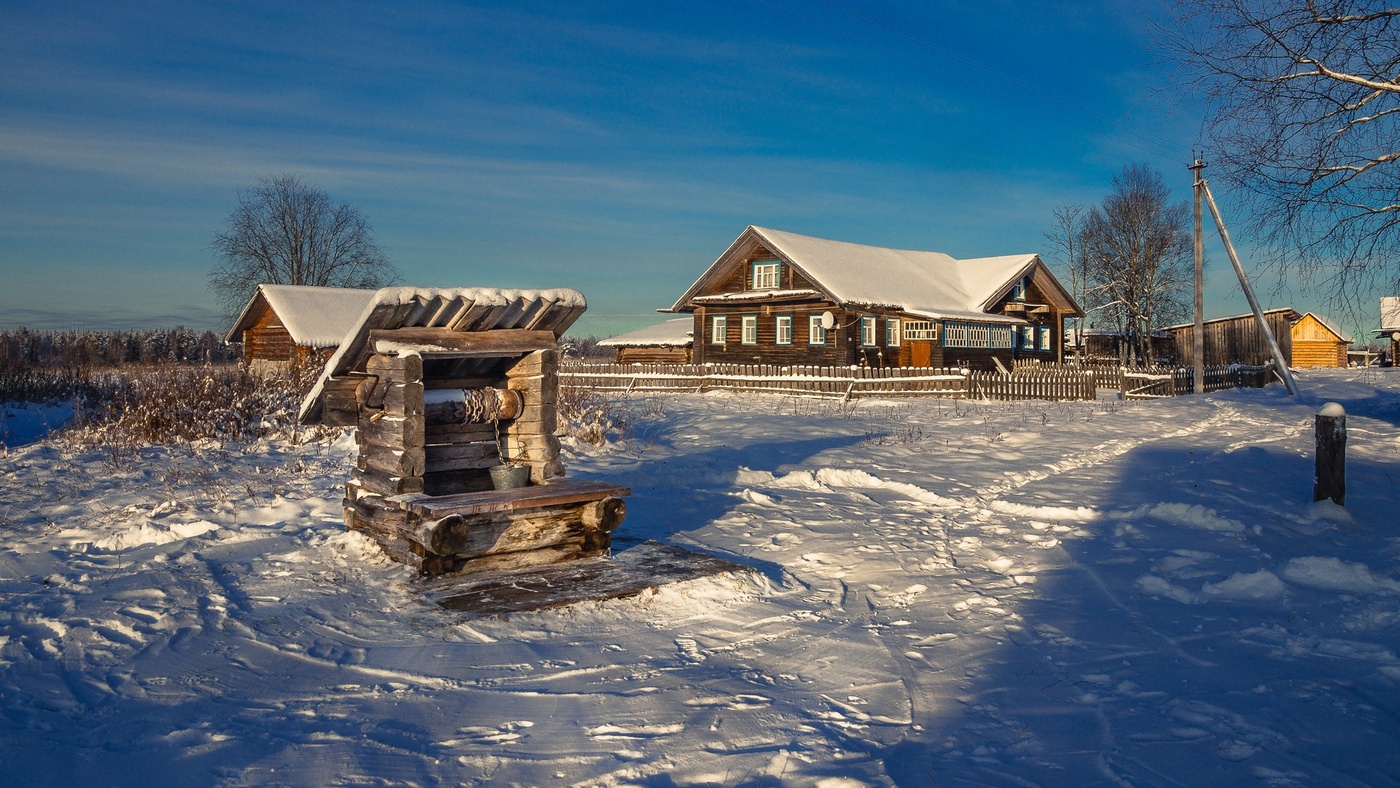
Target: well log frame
column 420, row 486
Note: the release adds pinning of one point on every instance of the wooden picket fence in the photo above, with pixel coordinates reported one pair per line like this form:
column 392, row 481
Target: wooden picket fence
column 1156, row 382
column 1046, row 383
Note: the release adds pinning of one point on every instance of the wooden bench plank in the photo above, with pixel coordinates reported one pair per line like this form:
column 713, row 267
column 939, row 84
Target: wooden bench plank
column 556, row 493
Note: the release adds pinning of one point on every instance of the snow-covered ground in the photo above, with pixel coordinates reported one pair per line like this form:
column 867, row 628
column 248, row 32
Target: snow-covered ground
column 946, row 594
column 22, row 423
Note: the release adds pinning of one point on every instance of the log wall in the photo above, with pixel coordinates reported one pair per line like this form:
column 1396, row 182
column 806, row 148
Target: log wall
column 1236, row 341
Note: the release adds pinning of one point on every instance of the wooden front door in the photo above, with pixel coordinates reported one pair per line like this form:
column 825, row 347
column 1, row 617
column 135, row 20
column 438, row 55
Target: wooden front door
column 920, row 353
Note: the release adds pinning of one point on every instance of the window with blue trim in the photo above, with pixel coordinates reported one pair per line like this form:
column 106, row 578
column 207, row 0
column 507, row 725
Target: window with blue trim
column 784, row 329
column 1028, row 338
column 1018, row 290
column 765, row 276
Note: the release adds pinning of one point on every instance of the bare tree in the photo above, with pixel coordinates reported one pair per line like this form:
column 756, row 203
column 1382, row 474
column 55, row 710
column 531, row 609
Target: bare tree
column 1304, row 119
column 1137, row 251
column 1063, row 237
column 287, row 232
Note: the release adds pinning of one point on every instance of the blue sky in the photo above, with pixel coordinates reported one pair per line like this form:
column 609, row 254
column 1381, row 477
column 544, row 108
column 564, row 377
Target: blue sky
column 613, row 147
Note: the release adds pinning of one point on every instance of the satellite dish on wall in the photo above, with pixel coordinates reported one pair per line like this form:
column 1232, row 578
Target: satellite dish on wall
column 828, row 321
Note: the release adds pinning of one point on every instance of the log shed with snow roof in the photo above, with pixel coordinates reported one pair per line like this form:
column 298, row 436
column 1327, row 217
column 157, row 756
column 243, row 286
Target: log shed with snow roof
column 442, row 386
column 295, row 324
column 666, row 343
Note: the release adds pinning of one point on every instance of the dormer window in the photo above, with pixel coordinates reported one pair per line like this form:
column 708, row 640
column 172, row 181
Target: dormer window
column 1018, row 290
column 765, row 276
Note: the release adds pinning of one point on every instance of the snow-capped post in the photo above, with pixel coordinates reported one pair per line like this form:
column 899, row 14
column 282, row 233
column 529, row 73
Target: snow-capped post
column 1330, row 477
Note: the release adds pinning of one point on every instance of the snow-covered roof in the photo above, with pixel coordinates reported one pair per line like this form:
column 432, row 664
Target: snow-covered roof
column 930, row 284
column 1292, row 315
column 1330, row 326
column 316, row 317
column 462, row 309
column 1390, row 313
column 672, row 333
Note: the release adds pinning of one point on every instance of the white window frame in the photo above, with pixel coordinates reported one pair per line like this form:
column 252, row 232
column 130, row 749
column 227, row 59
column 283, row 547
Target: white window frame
column 782, row 328
column 719, row 329
column 816, row 334
column 766, row 276
column 1002, row 337
column 867, row 331
column 1045, row 338
column 920, row 329
column 1018, row 290
column 748, row 329
column 893, row 332
column 979, row 335
column 955, row 335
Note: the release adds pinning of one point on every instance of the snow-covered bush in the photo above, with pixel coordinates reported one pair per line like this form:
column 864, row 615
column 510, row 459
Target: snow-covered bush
column 588, row 416
column 171, row 404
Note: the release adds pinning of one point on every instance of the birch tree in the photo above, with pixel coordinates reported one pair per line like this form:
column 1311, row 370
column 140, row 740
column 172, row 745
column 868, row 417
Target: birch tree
column 1063, row 237
column 1303, row 122
column 1137, row 252
column 286, row 232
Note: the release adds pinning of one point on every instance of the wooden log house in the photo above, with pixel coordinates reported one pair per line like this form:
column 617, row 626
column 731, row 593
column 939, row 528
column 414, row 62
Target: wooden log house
column 1389, row 332
column 295, row 324
column 664, row 343
column 442, row 386
column 781, row 298
column 1318, row 342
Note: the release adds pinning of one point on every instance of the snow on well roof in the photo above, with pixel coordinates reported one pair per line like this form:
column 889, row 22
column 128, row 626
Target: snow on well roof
column 462, row 309
column 927, row 283
column 315, row 316
column 672, row 333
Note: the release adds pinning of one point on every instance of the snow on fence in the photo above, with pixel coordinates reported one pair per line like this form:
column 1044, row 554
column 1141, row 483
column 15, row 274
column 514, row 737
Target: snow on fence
column 1048, row 383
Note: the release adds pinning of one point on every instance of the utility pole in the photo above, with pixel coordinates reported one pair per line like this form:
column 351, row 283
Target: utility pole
column 1198, row 339
column 1284, row 372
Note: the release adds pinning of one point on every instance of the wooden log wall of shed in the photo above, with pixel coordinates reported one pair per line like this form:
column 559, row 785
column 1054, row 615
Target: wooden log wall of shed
column 654, row 355
column 267, row 339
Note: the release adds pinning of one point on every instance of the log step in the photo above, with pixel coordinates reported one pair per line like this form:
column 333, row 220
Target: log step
column 553, row 493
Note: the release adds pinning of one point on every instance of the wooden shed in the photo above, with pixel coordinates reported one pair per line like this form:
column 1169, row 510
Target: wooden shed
column 284, row 324
column 448, row 388
column 1236, row 339
column 1389, row 332
column 670, row 342
column 1318, row 342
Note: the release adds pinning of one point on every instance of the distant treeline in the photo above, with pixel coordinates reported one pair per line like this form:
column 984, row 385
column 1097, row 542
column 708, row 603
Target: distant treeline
column 23, row 348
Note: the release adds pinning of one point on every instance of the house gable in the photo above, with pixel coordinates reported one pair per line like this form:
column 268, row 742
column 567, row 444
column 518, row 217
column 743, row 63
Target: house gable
column 1039, row 293
column 731, row 276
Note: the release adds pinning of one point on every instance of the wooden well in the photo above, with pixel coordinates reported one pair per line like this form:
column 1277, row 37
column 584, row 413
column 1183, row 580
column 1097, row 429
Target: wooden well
column 421, row 484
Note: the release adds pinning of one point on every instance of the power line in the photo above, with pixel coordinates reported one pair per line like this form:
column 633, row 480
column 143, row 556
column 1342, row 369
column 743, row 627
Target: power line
column 1162, row 145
